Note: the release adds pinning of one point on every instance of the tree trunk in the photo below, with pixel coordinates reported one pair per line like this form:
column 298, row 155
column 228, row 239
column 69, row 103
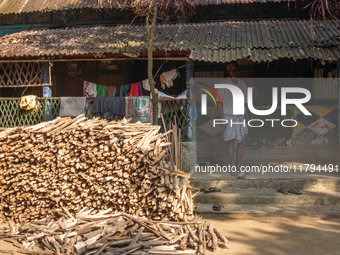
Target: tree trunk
column 151, row 39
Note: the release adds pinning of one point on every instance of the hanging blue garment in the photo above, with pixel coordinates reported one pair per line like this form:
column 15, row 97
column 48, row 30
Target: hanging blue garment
column 127, row 88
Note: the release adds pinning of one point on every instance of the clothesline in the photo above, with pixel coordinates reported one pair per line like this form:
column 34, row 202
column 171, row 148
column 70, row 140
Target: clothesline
column 91, row 89
column 145, row 79
column 142, row 88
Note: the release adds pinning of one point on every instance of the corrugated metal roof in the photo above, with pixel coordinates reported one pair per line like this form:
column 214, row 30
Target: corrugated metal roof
column 17, row 6
column 258, row 55
column 217, row 41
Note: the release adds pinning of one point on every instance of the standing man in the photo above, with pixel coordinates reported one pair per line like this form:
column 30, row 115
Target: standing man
column 233, row 132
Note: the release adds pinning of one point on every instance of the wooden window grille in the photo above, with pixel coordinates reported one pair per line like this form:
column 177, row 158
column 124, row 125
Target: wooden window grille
column 25, row 74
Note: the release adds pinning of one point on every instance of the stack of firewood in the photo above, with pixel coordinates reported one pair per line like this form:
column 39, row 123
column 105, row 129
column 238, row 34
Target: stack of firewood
column 74, row 163
column 110, row 234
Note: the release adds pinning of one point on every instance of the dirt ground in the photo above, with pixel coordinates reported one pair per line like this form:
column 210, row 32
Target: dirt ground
column 279, row 235
column 273, row 235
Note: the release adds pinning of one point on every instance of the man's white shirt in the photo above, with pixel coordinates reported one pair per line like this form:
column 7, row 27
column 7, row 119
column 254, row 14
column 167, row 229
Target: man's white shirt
column 226, row 96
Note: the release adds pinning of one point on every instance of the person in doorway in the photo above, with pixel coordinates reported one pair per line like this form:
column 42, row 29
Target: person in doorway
column 233, row 132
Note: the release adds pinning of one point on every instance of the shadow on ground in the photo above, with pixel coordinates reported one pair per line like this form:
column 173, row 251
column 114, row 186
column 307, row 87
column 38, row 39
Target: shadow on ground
column 278, row 235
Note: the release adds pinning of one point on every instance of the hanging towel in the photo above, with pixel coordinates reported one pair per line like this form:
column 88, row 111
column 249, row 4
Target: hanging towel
column 100, row 91
column 127, row 88
column 163, row 81
column 169, row 77
column 140, row 89
column 110, row 91
column 72, row 106
column 119, row 91
column 139, row 109
column 146, row 85
column 89, row 89
column 134, row 90
column 109, row 106
column 117, row 105
column 99, row 105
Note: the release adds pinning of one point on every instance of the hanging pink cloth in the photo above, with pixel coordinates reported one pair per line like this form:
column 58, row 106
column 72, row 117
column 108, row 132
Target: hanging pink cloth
column 140, row 89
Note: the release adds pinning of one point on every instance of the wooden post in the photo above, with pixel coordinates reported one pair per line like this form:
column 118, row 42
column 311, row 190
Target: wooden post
column 191, row 97
column 192, row 104
column 47, row 91
column 338, row 67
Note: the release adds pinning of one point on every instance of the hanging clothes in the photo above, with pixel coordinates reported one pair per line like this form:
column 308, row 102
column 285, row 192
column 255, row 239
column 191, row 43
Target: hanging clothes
column 146, row 85
column 127, row 88
column 110, row 91
column 168, row 77
column 109, row 106
column 89, row 89
column 139, row 109
column 100, row 90
column 119, row 91
column 72, row 106
column 140, row 89
column 146, row 93
column 134, row 90
column 163, row 81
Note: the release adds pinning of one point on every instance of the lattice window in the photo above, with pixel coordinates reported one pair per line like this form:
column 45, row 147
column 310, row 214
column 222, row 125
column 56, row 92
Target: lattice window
column 178, row 109
column 25, row 74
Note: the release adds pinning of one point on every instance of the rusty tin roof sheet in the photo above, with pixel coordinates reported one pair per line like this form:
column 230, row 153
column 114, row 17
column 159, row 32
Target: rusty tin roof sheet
column 18, row 6
column 215, row 41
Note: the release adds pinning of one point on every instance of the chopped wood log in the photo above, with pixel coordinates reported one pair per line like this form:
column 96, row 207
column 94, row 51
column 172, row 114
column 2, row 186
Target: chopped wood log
column 112, row 236
column 221, row 236
column 183, row 244
column 213, row 237
column 171, row 252
column 223, row 244
column 193, row 235
column 61, row 166
column 77, row 186
column 31, row 252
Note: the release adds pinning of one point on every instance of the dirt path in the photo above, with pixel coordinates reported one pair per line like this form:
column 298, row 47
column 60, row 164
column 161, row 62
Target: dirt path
column 279, row 235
